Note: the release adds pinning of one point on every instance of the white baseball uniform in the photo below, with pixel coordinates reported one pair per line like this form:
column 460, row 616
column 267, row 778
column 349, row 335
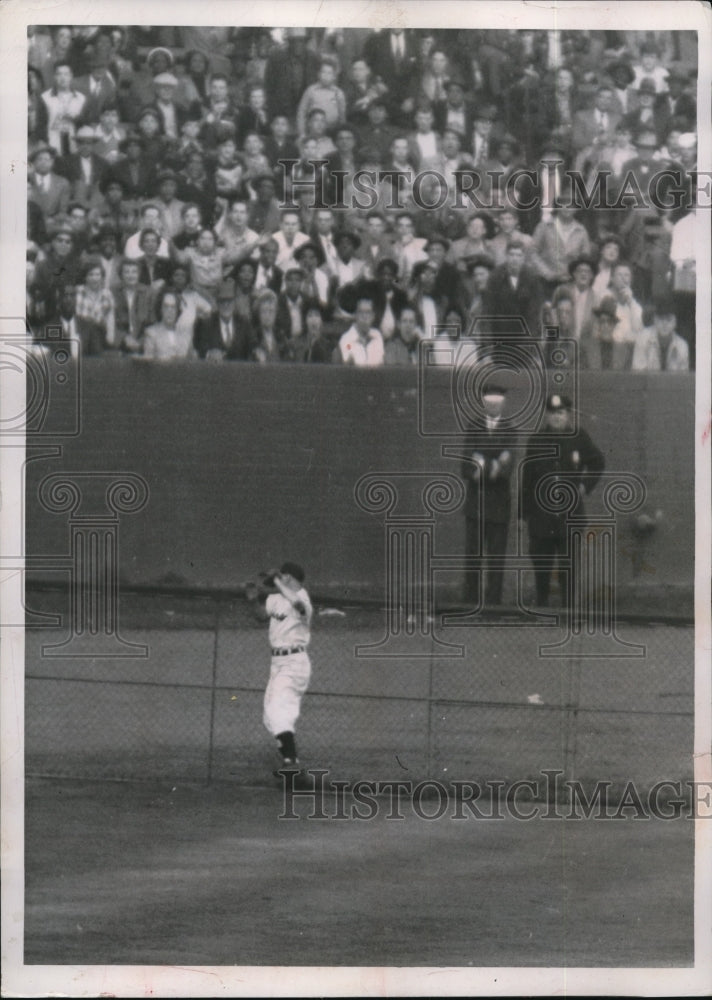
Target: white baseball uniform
column 290, row 669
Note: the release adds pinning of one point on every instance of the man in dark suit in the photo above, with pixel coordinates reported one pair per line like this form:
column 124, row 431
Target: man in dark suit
column 223, row 335
column 487, row 471
column 677, row 103
column 455, row 112
column 290, row 69
column 47, row 189
column 84, row 170
column 99, row 89
column 392, row 55
column 577, row 461
column 515, row 290
column 377, row 134
column 134, row 172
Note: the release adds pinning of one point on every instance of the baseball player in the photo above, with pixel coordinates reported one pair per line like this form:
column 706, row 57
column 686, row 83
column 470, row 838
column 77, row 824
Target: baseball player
column 289, row 611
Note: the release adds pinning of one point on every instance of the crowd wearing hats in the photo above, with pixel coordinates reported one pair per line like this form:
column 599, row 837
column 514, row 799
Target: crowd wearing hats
column 156, row 185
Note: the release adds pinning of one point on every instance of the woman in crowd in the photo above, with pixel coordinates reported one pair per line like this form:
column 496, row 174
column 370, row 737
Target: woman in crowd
column 269, row 337
column 165, row 340
column 94, row 310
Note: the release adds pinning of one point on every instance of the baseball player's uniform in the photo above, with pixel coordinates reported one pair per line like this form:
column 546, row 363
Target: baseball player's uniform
column 290, row 669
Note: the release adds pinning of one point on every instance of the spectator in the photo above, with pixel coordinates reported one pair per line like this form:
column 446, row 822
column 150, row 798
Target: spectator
column 107, row 242
column 153, row 269
column 58, row 269
column 191, row 304
column 476, row 242
column 409, row 249
column 346, row 267
column 254, row 118
column 196, row 185
column 191, row 226
column 109, row 134
column 312, row 345
column 630, row 311
column 289, row 238
column 151, row 218
column 424, row 144
column 37, row 113
column 455, row 112
column 377, row 134
column 233, row 232
column 170, row 206
column 507, row 229
column 269, row 337
column 48, row 190
column 64, row 107
column 583, row 300
column 223, row 334
column 133, row 308
column 99, row 89
column 659, row 348
column 94, row 310
column 423, row 296
column 362, row 343
column 514, row 289
column 479, row 269
column 324, row 95
column 268, row 275
column 401, row 348
column 609, row 255
column 163, row 341
column 558, row 241
column 290, row 302
column 315, row 283
column 136, row 171
column 361, row 89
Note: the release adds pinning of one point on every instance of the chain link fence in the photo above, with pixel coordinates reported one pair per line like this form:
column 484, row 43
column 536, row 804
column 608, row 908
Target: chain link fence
column 192, row 709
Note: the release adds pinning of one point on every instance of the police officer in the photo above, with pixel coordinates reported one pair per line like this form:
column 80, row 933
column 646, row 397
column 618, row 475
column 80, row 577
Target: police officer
column 568, row 458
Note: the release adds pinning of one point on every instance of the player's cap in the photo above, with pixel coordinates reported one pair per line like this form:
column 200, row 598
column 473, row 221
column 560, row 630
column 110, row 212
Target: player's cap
column 167, row 79
column 556, row 402
column 293, row 569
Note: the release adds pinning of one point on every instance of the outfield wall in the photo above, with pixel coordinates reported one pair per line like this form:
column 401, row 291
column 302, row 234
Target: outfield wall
column 247, row 465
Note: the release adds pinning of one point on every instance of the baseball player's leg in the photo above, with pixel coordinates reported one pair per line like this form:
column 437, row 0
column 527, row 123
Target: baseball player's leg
column 282, row 702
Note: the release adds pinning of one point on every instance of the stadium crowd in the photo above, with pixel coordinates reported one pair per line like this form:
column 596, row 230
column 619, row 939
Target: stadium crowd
column 429, row 189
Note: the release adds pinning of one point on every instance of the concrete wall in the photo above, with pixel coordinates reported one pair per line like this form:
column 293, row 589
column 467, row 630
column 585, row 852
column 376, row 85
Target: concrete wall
column 249, row 465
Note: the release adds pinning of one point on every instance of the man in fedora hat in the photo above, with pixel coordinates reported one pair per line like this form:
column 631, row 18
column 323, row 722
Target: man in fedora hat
column 98, row 87
column 223, row 335
column 650, row 115
column 577, row 461
column 48, row 190
column 677, row 102
column 170, row 112
column 84, row 169
column 487, row 471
